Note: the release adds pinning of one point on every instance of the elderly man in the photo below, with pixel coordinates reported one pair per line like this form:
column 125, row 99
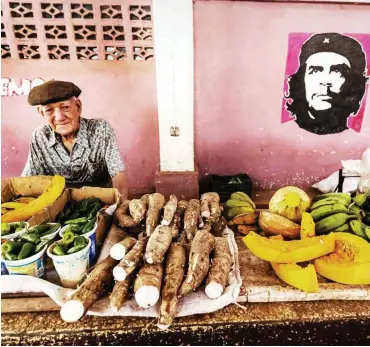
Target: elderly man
column 84, row 151
column 329, row 84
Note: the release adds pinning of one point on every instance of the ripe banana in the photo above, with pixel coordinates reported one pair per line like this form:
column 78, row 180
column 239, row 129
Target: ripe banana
column 235, row 211
column 330, row 201
column 358, row 228
column 238, row 203
column 344, row 196
column 242, row 196
column 327, row 210
column 332, row 222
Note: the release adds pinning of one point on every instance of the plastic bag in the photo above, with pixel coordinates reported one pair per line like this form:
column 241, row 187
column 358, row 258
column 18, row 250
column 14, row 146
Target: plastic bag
column 350, row 168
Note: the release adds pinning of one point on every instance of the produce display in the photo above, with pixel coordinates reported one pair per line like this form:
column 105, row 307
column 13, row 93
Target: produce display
column 159, row 251
column 69, row 244
column 80, row 216
column 25, row 210
column 11, row 228
column 179, row 245
column 330, row 233
column 24, row 246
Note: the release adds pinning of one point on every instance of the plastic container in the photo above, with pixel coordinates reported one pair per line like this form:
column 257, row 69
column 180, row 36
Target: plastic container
column 31, row 266
column 16, row 234
column 93, row 252
column 4, row 270
column 71, row 268
column 223, row 186
column 50, row 236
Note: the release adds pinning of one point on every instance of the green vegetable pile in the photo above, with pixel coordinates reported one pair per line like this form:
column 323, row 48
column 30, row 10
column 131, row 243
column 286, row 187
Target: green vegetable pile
column 80, row 216
column 70, row 243
column 11, row 228
column 45, row 229
column 28, row 244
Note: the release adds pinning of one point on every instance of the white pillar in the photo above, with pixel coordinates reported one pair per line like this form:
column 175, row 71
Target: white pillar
column 174, row 59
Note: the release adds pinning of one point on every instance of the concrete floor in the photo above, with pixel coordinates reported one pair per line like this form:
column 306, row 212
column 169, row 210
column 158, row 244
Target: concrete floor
column 291, row 323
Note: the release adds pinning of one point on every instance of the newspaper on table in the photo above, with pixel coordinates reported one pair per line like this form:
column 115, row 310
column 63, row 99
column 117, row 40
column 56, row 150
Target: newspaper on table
column 193, row 303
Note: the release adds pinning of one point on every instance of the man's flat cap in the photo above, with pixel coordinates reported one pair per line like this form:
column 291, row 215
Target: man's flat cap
column 336, row 43
column 52, row 91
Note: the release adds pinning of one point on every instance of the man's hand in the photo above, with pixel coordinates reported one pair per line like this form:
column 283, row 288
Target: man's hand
column 120, row 183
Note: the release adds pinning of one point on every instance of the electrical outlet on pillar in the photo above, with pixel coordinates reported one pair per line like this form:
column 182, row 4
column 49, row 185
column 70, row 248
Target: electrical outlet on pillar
column 174, row 131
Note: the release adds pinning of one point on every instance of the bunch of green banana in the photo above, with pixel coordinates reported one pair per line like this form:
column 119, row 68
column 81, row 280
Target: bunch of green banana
column 239, row 203
column 330, row 199
column 333, row 223
column 360, row 229
column 327, row 210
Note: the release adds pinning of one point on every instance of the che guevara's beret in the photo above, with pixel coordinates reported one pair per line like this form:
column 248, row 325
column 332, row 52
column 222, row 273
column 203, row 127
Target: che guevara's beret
column 336, row 43
column 52, row 91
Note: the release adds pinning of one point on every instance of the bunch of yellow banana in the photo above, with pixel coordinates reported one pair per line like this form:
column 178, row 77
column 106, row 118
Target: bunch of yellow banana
column 239, row 203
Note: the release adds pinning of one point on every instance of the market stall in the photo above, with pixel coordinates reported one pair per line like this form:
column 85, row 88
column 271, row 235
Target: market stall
column 233, row 267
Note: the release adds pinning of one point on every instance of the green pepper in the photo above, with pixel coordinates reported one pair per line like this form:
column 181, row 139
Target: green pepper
column 79, row 241
column 5, row 228
column 31, row 237
column 10, row 256
column 88, row 226
column 12, row 246
column 75, row 249
column 75, row 228
column 41, row 228
column 81, row 220
column 75, row 214
column 51, row 230
column 94, row 211
column 41, row 245
column 26, row 250
column 59, row 250
column 68, row 237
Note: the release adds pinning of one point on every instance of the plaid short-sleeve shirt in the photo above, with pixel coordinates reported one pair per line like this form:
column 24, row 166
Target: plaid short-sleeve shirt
column 95, row 157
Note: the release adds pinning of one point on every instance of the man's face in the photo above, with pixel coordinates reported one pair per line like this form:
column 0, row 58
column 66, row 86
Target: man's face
column 324, row 78
column 63, row 116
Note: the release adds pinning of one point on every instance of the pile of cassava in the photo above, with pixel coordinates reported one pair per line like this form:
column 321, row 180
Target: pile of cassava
column 158, row 250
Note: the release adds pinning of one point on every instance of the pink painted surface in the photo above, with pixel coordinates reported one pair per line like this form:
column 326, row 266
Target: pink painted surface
column 240, row 57
column 122, row 93
column 295, row 42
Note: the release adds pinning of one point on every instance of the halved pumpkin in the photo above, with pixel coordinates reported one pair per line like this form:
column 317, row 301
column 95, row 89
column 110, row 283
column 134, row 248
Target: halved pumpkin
column 337, row 269
column 295, row 251
column 303, row 278
column 352, row 247
column 350, row 264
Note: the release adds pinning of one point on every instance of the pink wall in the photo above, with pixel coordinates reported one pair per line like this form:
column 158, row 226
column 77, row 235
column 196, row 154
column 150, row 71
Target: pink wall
column 122, row 93
column 240, row 56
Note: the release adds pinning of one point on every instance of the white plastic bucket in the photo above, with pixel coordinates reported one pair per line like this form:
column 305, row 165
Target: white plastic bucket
column 71, row 268
column 90, row 235
column 14, row 235
column 50, row 236
column 31, row 266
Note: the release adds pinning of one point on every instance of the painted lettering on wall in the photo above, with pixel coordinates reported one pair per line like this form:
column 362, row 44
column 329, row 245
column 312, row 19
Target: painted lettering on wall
column 10, row 86
column 326, row 81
